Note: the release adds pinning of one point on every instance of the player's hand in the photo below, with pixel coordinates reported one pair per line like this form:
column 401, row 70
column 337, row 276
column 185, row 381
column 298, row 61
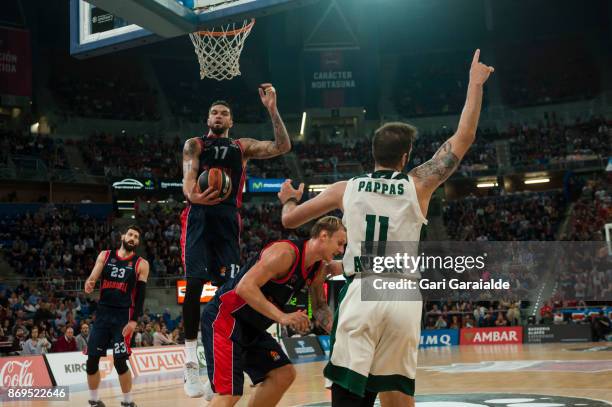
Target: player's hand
column 90, row 284
column 208, row 197
column 128, row 329
column 287, row 192
column 298, row 321
column 479, row 72
column 267, row 93
column 324, row 319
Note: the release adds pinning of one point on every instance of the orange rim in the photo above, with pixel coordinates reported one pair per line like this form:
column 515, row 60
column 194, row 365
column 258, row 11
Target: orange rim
column 226, row 33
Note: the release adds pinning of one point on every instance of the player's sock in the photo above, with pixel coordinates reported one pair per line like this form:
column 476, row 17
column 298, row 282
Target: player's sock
column 93, row 395
column 191, row 351
column 127, row 397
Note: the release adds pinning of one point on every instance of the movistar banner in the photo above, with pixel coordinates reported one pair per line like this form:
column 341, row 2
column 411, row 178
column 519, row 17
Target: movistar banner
column 265, row 184
column 439, row 337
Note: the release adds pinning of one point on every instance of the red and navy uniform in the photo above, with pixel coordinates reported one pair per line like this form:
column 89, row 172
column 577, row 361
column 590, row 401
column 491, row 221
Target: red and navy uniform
column 210, row 238
column 116, row 305
column 235, row 336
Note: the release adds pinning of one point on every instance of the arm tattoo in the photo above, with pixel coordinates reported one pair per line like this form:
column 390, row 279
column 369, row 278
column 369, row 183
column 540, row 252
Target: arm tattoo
column 269, row 149
column 189, row 155
column 440, row 167
column 321, row 311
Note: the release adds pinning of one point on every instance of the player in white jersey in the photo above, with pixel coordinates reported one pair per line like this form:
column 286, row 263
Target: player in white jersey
column 375, row 343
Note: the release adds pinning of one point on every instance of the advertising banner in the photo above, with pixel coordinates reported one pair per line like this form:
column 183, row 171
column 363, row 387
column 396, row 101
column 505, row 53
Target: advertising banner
column 155, row 360
column 23, row 371
column 69, row 368
column 325, row 344
column 557, row 333
column 304, row 347
column 333, row 78
column 265, row 184
column 208, row 291
column 132, row 184
column 439, row 337
column 15, row 62
column 490, row 336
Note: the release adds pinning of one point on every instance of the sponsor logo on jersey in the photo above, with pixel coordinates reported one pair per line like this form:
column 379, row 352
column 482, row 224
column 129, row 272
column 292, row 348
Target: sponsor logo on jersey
column 274, row 355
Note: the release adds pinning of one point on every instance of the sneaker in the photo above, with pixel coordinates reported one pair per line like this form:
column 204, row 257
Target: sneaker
column 126, row 404
column 96, row 403
column 193, row 386
column 208, row 392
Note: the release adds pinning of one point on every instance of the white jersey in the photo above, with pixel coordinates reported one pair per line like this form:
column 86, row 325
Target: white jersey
column 381, row 206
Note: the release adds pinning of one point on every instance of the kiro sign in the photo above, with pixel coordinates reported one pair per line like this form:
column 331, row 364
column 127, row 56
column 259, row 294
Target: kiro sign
column 439, row 337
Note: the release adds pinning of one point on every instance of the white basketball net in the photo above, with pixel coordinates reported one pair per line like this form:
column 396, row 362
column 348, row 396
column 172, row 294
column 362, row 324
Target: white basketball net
column 219, row 50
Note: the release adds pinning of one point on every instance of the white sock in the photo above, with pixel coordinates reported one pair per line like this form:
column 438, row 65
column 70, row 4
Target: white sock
column 191, row 351
column 127, row 397
column 93, row 395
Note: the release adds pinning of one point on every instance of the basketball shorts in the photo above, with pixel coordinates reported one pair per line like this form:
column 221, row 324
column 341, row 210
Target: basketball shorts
column 374, row 344
column 210, row 242
column 233, row 348
column 106, row 332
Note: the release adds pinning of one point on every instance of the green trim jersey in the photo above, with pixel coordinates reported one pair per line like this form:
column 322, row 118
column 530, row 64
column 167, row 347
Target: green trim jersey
column 379, row 207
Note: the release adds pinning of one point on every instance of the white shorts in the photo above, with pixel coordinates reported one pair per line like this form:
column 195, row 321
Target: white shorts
column 374, row 343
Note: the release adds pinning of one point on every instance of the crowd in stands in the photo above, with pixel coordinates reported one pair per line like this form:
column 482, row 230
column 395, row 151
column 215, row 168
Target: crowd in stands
column 44, row 317
column 470, row 314
column 113, row 90
column 431, row 84
column 22, row 147
column 534, row 79
column 189, row 97
column 548, row 143
column 505, row 217
column 55, row 243
column 139, row 155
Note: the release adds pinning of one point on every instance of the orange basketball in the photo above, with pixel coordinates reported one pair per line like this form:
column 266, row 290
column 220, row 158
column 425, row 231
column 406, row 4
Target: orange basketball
column 218, row 180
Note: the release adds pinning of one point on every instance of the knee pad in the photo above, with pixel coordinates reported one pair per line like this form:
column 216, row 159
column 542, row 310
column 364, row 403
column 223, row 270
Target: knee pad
column 91, row 367
column 121, row 364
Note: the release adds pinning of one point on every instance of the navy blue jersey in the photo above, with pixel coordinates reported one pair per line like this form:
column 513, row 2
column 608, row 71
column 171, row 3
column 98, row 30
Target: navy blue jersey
column 278, row 292
column 118, row 280
column 227, row 154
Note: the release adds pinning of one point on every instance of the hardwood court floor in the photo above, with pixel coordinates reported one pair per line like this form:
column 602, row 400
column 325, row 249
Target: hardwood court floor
column 546, row 370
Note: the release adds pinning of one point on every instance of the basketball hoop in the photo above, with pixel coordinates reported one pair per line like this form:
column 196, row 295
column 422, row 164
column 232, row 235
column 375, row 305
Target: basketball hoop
column 219, row 50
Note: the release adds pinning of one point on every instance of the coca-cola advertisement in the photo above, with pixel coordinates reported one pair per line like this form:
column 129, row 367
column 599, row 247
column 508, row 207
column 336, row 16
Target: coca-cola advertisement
column 23, row 371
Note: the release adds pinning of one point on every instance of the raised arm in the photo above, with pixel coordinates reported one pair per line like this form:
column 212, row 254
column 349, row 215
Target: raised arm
column 275, row 263
column 431, row 174
column 295, row 215
column 90, row 283
column 267, row 149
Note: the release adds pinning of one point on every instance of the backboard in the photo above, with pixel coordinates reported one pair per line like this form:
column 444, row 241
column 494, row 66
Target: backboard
column 102, row 26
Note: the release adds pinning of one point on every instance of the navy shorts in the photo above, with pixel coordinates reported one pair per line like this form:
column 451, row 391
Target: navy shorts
column 210, row 242
column 106, row 332
column 233, row 348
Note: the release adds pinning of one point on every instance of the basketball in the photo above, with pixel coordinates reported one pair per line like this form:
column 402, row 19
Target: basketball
column 218, row 180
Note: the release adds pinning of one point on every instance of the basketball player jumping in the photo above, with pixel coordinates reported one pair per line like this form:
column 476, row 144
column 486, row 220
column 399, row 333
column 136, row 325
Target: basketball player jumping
column 369, row 356
column 123, row 277
column 235, row 322
column 211, row 226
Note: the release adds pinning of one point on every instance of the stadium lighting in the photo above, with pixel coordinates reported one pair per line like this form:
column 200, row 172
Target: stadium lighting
column 486, row 184
column 537, row 181
column 303, row 127
column 318, row 187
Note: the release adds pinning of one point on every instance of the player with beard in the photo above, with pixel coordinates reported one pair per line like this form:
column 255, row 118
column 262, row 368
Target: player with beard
column 210, row 231
column 123, row 279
